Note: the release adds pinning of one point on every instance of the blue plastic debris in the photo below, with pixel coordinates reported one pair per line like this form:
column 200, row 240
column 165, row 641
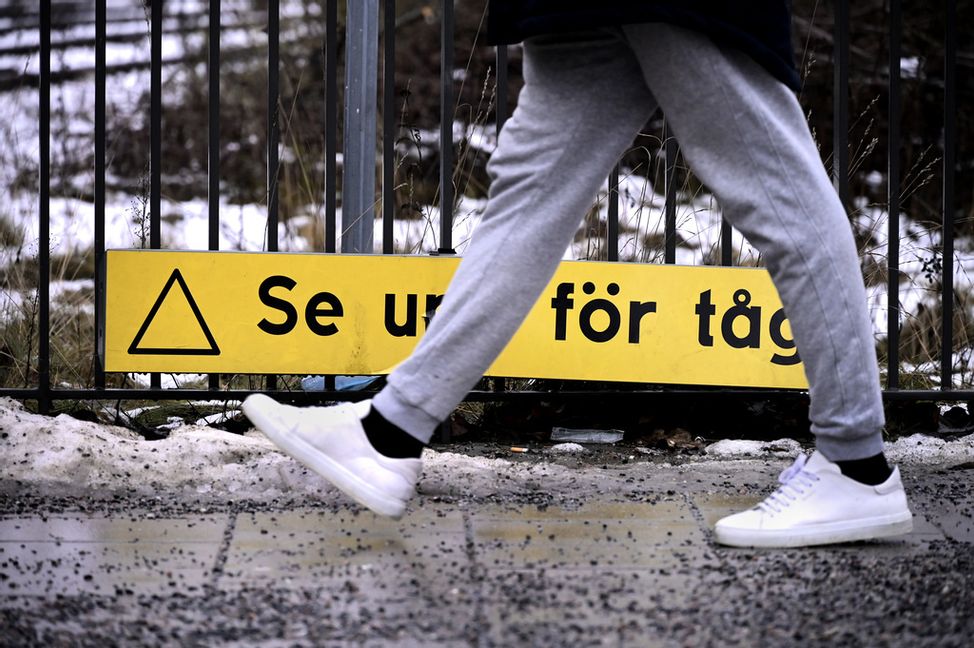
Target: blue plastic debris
column 342, row 383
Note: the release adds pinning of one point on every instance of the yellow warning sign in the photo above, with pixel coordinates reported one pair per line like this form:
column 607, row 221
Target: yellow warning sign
column 240, row 312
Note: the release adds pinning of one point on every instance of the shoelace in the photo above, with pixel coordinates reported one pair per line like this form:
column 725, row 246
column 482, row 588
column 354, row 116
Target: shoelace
column 794, row 480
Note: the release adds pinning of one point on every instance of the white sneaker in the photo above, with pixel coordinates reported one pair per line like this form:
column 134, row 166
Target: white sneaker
column 332, row 442
column 816, row 504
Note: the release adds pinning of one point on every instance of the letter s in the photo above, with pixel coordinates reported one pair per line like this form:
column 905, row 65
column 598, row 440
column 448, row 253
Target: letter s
column 291, row 315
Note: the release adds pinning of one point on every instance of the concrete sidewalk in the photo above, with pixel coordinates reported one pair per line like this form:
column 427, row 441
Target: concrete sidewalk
column 601, row 564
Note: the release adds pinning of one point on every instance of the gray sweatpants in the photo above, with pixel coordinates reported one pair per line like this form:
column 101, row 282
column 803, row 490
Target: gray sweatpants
column 584, row 99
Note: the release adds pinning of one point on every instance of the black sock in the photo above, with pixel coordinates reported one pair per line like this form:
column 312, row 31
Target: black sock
column 388, row 439
column 871, row 470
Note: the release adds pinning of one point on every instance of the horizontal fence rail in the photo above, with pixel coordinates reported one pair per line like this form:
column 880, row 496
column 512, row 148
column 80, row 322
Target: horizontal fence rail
column 51, row 17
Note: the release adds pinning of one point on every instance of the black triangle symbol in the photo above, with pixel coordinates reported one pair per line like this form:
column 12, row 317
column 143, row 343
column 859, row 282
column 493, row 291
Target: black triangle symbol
column 175, row 277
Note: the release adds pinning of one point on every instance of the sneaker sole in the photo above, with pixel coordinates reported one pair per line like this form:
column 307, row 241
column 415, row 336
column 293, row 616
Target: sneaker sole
column 299, row 450
column 835, row 533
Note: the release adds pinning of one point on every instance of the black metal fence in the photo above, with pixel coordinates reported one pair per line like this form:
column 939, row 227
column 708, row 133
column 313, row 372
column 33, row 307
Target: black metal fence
column 44, row 392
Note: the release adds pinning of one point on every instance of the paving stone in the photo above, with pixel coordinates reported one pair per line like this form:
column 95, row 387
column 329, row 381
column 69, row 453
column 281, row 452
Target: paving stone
column 561, row 607
column 554, row 573
column 426, row 642
column 601, row 570
column 308, row 545
column 622, row 604
column 955, row 519
column 412, row 575
column 594, row 536
column 84, row 528
column 517, row 608
column 65, row 555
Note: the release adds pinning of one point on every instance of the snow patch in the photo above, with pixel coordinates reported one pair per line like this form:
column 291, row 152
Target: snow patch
column 737, row 448
column 923, row 449
column 915, row 449
column 63, row 454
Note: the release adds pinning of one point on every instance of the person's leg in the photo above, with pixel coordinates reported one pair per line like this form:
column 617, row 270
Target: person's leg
column 583, row 102
column 745, row 136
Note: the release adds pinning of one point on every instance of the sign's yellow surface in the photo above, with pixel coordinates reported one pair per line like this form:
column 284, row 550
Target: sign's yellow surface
column 240, row 312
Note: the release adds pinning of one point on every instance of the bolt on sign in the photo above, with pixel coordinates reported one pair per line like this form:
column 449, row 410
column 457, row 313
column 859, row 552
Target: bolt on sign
column 264, row 313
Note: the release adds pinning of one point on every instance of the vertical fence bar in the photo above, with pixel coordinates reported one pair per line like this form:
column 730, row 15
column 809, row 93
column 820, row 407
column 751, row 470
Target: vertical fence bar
column 213, row 126
column 389, row 133
column 840, row 103
column 331, row 137
column 500, row 116
column 273, row 134
column 669, row 174
column 502, row 87
column 273, row 120
column 155, row 139
column 893, row 200
column 213, row 138
column 726, row 244
column 950, row 164
column 446, row 127
column 358, row 166
column 612, row 222
column 331, row 122
column 100, row 96
column 44, row 214
column 155, row 126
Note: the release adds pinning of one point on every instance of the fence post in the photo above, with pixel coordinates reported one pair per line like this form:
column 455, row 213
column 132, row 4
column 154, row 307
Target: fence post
column 612, row 220
column 669, row 175
column 840, row 103
column 947, row 296
column 331, row 121
column 446, row 127
column 893, row 200
column 155, row 142
column 388, row 125
column 101, row 22
column 361, row 85
column 44, row 214
column 213, row 137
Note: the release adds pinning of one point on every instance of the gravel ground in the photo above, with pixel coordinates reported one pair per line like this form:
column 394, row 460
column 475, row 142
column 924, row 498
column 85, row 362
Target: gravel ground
column 605, row 547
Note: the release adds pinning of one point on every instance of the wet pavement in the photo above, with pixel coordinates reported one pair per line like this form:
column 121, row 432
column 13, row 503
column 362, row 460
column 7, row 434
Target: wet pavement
column 507, row 566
